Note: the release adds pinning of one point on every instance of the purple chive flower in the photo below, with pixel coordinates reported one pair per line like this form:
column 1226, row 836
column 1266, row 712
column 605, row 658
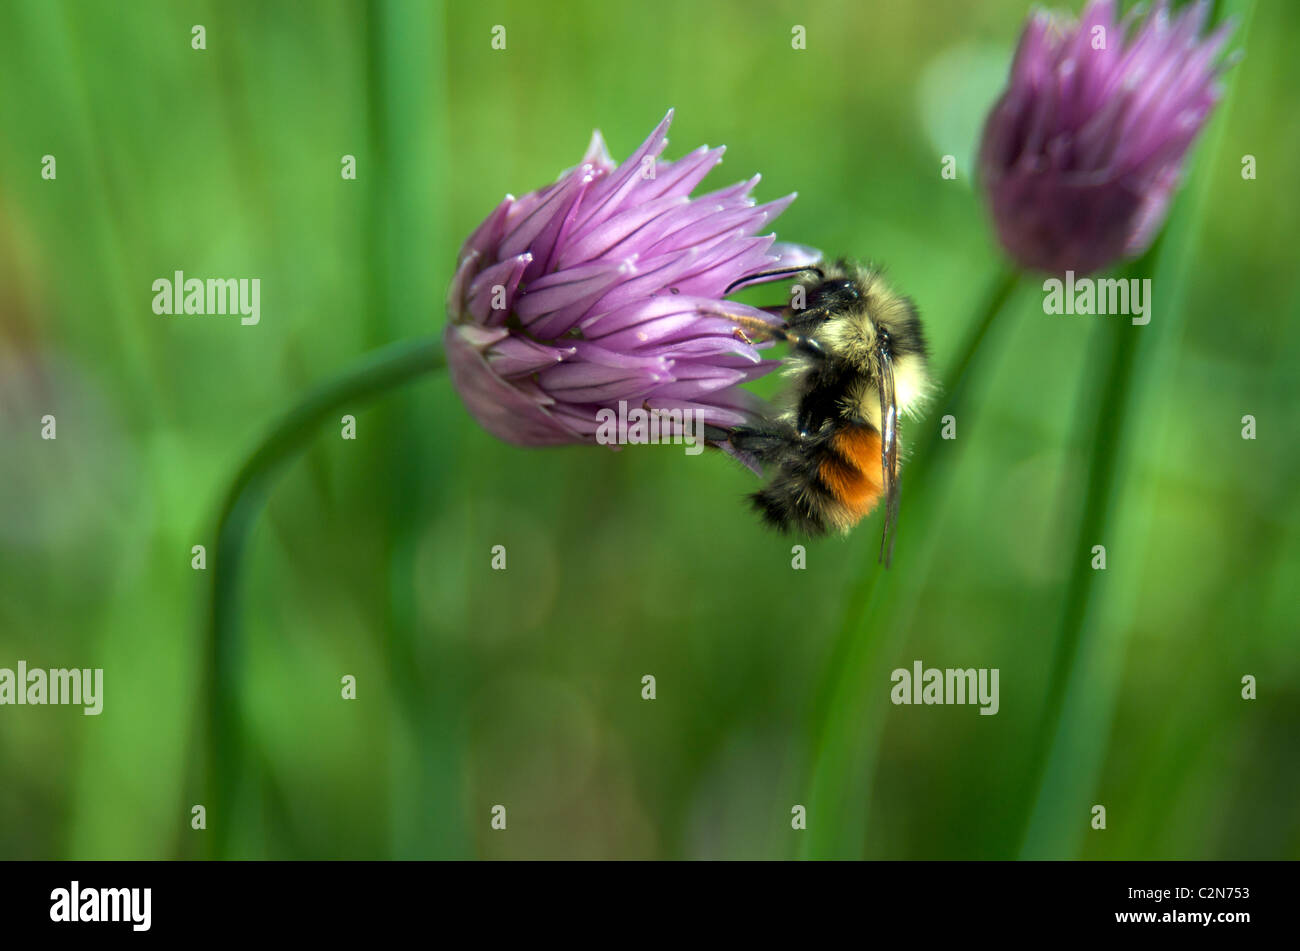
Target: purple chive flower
column 599, row 288
column 1081, row 154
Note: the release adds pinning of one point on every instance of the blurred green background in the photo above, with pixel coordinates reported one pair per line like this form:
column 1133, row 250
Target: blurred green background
column 523, row 687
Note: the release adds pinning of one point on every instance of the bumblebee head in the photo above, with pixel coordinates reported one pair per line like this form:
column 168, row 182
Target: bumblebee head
column 831, row 296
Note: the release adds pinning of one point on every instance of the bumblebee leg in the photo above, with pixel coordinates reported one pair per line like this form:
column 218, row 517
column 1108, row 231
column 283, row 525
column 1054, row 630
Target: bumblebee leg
column 750, row 329
column 716, row 435
column 805, row 344
column 763, row 443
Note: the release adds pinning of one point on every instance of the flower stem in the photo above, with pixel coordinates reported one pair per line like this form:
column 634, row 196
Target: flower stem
column 842, row 751
column 378, row 373
column 1107, row 436
column 1069, row 749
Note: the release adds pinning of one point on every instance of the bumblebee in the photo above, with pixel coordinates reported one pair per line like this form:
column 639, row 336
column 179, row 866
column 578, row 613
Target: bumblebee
column 858, row 363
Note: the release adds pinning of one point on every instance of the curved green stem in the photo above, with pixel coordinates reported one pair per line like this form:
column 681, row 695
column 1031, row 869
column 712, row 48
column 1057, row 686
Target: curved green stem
column 378, row 373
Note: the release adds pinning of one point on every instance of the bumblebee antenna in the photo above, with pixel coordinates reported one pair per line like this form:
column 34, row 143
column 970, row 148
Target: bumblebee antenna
column 777, row 273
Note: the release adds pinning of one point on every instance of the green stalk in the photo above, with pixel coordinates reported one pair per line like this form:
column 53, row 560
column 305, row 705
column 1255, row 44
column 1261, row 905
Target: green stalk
column 1069, row 750
column 844, row 727
column 410, row 162
column 375, row 375
column 1108, row 441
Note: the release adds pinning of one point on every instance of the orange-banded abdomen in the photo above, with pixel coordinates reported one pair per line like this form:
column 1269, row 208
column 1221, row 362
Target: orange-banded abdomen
column 851, row 470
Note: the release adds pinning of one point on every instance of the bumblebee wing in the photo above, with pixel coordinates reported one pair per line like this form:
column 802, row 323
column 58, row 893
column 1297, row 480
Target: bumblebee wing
column 888, row 455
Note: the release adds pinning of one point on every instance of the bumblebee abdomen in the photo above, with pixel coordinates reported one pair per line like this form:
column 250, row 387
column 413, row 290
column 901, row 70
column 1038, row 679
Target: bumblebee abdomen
column 851, row 470
column 830, row 482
